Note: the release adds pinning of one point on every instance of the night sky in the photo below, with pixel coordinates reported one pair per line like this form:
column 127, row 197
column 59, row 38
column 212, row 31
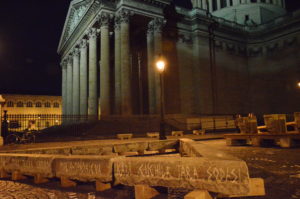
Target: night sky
column 29, row 35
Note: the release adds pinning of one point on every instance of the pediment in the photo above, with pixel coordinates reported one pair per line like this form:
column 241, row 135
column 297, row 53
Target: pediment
column 77, row 10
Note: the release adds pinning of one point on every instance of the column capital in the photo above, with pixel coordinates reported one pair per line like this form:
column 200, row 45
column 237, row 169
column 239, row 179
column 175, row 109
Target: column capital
column 124, row 15
column 104, row 19
column 75, row 52
column 92, row 33
column 158, row 24
column 70, row 59
column 63, row 63
column 150, row 28
column 83, row 44
column 117, row 22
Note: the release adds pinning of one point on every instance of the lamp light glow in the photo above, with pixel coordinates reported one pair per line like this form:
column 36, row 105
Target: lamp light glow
column 160, row 65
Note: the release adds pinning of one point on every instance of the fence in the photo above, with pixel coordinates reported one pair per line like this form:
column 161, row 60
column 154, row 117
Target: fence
column 22, row 122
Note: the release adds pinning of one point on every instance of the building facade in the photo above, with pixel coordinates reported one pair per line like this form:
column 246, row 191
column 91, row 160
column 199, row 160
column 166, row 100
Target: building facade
column 32, row 111
column 223, row 57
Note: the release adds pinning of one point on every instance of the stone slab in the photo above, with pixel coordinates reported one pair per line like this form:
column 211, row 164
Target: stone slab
column 130, row 147
column 196, row 149
column 27, row 164
column 85, row 168
column 92, row 150
column 229, row 177
column 163, row 144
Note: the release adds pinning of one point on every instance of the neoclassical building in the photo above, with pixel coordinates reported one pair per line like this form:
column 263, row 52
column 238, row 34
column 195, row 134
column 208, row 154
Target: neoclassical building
column 223, row 57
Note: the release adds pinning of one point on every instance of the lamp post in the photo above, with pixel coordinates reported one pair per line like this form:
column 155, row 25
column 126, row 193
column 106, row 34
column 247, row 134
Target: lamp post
column 160, row 65
column 298, row 84
column 2, row 101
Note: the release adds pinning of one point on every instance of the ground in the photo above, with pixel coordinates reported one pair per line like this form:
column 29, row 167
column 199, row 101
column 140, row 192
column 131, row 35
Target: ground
column 280, row 168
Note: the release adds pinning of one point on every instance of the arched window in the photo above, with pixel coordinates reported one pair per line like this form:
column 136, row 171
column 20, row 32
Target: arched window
column 47, row 104
column 20, row 104
column 29, row 104
column 10, row 104
column 56, row 105
column 38, row 104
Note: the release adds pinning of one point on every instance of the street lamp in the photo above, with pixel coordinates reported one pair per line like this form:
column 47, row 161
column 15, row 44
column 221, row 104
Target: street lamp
column 2, row 101
column 298, row 84
column 160, row 65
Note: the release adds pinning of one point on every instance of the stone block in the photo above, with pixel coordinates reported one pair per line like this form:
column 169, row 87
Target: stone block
column 100, row 186
column 124, row 136
column 130, row 147
column 85, row 168
column 177, row 133
column 92, row 150
column 4, row 174
column 194, row 149
column 198, row 194
column 17, row 175
column 163, row 144
column 286, row 142
column 39, row 179
column 66, row 182
column 144, row 192
column 28, row 164
column 222, row 176
column 256, row 188
column 199, row 132
column 153, row 134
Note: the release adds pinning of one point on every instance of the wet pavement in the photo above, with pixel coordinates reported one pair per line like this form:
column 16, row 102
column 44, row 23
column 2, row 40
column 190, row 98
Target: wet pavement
column 280, row 168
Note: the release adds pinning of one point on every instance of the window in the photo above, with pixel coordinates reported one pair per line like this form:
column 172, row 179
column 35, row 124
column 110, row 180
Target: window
column 231, row 3
column 47, row 104
column 10, row 104
column 263, row 1
column 29, row 104
column 271, row 1
column 20, row 104
column 56, row 105
column 38, row 104
column 223, row 3
column 253, row 1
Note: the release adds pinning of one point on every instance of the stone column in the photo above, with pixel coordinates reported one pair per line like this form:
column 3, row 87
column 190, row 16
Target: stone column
column 243, row 1
column 83, row 110
column 228, row 3
column 117, row 100
column 69, row 85
column 105, row 94
column 151, row 68
column 268, row 1
column 236, row 2
column 204, row 5
column 92, row 99
column 218, row 4
column 76, row 82
column 210, row 6
column 158, row 24
column 64, row 87
column 126, row 88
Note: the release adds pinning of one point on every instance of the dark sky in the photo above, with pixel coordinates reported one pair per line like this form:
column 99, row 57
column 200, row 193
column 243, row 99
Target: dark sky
column 29, row 35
